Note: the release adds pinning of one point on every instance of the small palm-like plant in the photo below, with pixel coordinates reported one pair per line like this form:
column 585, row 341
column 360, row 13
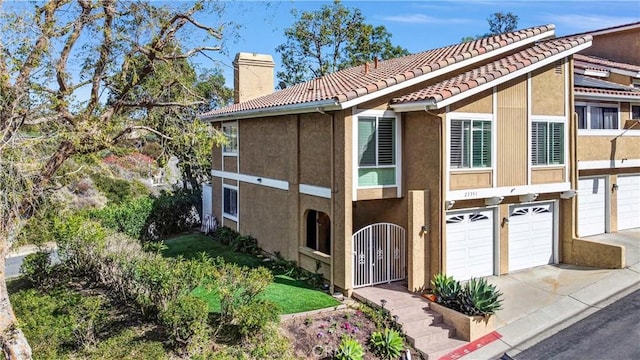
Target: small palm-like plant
column 446, row 290
column 387, row 344
column 480, row 298
column 349, row 349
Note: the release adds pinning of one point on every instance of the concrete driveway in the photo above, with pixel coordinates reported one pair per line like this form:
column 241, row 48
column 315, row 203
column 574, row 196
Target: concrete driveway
column 630, row 239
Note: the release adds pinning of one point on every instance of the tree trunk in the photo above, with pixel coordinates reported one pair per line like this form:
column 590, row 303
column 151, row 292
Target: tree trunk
column 12, row 340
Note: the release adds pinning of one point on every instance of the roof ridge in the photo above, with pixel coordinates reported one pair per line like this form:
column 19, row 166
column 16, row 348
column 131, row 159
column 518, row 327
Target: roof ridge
column 352, row 83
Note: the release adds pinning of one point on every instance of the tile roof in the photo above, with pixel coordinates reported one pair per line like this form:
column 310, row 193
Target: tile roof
column 585, row 85
column 352, row 83
column 593, row 62
column 492, row 71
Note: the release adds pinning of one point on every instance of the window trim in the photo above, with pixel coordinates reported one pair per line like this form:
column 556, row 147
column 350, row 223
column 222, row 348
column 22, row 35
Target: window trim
column 565, row 132
column 357, row 113
column 230, row 151
column 225, row 214
column 492, row 148
column 631, row 105
column 588, row 106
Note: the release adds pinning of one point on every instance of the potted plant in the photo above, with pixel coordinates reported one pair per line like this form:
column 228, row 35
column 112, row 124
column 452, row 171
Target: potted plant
column 470, row 308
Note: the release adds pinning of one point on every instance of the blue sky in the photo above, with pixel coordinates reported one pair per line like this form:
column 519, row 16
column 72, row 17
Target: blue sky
column 421, row 25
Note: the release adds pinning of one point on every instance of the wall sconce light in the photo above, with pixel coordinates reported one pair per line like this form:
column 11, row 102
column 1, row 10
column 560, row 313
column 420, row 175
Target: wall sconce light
column 450, row 203
column 259, row 180
column 505, row 220
column 424, row 228
column 527, row 197
column 494, row 200
column 614, row 187
column 568, row 194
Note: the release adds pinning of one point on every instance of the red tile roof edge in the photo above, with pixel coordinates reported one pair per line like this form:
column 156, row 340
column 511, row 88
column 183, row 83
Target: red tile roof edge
column 599, row 62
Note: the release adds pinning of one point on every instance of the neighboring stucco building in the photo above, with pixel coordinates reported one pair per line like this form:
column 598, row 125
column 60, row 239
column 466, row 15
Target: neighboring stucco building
column 607, row 104
column 453, row 160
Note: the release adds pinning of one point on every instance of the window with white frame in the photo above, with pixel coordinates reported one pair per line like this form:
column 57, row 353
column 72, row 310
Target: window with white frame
column 377, row 151
column 635, row 112
column 470, row 144
column 230, row 131
column 230, row 201
column 597, row 116
column 547, row 143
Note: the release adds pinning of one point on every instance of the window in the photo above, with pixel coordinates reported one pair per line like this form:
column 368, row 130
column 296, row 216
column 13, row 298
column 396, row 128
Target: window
column 636, row 83
column 230, row 202
column 377, row 152
column 547, row 143
column 318, row 231
column 231, row 132
column 470, row 144
column 635, row 112
column 597, row 117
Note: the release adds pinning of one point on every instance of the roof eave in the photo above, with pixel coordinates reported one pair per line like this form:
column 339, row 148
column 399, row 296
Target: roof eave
column 429, row 104
column 302, row 108
column 579, row 95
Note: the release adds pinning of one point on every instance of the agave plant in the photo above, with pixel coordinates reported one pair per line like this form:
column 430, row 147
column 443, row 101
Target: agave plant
column 479, row 298
column 387, row 344
column 447, row 291
column 349, row 349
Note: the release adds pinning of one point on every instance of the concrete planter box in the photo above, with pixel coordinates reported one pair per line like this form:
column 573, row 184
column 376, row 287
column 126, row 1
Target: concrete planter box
column 468, row 328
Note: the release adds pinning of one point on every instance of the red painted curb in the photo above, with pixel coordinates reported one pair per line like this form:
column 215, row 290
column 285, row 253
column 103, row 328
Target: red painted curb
column 472, row 346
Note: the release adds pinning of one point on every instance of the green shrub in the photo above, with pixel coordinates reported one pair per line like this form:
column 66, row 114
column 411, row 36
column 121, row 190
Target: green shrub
column 127, row 345
column 479, row 298
column 185, row 321
column 349, row 349
column 38, row 230
column 387, row 344
column 225, row 235
column 245, row 244
column 80, row 241
column 36, row 268
column 251, row 318
column 90, row 319
column 130, row 217
column 172, row 213
column 238, row 290
column 117, row 190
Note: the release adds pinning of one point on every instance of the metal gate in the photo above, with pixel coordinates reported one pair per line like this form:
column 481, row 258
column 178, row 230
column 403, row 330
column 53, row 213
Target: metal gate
column 379, row 254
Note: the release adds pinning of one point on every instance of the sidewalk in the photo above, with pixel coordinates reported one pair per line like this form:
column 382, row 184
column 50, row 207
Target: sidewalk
column 30, row 249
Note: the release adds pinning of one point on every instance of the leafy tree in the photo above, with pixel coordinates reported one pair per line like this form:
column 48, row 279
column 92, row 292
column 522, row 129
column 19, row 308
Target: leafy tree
column 75, row 80
column 499, row 23
column 330, row 39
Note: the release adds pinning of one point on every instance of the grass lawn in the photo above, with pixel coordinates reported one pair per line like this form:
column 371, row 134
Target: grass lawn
column 291, row 295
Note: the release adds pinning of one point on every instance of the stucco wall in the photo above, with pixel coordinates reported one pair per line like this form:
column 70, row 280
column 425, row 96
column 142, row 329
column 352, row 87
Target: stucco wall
column 315, row 149
column 268, row 147
column 547, row 90
column 622, row 46
column 608, row 147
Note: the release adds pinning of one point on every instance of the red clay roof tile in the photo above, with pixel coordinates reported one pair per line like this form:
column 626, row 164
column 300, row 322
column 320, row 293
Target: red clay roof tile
column 491, row 71
column 351, row 83
column 597, row 63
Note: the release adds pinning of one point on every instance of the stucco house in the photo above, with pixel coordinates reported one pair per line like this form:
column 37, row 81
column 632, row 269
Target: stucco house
column 456, row 160
column 607, row 104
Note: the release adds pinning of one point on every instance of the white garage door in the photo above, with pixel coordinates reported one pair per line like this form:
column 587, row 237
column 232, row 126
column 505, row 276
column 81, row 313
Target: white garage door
column 628, row 201
column 470, row 244
column 531, row 231
column 591, row 206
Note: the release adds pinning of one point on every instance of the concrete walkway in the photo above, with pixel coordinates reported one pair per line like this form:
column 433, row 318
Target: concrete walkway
column 537, row 302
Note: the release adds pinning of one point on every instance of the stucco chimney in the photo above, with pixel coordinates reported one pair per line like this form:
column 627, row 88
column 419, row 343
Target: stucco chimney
column 252, row 76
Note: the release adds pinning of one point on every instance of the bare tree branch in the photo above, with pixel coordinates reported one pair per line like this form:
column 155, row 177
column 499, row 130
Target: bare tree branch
column 105, row 50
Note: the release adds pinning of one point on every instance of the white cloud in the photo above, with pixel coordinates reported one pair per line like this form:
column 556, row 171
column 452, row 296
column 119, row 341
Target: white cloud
column 423, row 19
column 572, row 23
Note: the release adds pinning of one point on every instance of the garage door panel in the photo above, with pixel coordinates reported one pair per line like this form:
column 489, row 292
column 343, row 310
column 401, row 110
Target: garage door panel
column 591, row 206
column 531, row 229
column 628, row 211
column 469, row 247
